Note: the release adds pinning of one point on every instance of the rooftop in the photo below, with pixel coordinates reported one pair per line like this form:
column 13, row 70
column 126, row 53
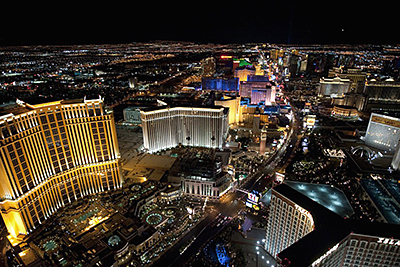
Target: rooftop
column 328, row 196
column 330, row 228
column 385, row 195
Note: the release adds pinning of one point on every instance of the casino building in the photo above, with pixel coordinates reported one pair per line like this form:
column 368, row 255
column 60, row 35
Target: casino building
column 165, row 128
column 52, row 154
column 344, row 112
column 333, row 87
column 383, row 132
column 309, row 226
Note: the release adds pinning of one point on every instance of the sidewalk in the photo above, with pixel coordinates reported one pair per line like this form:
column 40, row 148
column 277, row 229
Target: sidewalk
column 253, row 248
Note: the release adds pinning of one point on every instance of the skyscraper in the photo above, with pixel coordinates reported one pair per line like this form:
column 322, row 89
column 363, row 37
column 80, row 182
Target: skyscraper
column 50, row 155
column 383, row 132
column 309, row 225
column 266, row 95
column 263, row 140
column 194, row 126
column 335, row 87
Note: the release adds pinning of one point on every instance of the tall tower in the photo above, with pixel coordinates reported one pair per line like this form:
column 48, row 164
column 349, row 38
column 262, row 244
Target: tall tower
column 52, row 154
column 263, row 140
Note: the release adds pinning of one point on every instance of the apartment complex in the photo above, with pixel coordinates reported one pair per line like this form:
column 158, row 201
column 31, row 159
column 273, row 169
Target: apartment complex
column 52, row 154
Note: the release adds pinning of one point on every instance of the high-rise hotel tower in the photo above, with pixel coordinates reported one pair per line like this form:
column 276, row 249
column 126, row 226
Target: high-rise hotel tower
column 50, row 155
column 193, row 126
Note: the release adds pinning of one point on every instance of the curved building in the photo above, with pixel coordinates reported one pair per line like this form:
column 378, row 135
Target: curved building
column 344, row 112
column 52, row 154
column 165, row 128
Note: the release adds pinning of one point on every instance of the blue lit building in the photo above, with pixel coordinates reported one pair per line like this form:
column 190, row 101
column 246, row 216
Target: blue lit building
column 257, row 78
column 220, row 84
column 270, row 110
column 221, row 255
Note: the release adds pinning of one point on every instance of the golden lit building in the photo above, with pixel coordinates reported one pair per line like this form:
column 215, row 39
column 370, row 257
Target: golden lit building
column 164, row 128
column 50, row 155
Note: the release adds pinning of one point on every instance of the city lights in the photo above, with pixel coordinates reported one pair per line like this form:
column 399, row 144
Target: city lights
column 166, row 153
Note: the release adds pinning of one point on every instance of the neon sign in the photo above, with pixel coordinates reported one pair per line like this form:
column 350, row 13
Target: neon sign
column 253, row 197
column 388, row 241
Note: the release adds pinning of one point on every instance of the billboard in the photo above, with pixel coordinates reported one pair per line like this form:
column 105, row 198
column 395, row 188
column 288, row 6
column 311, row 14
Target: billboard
column 279, row 177
column 253, row 199
column 386, row 120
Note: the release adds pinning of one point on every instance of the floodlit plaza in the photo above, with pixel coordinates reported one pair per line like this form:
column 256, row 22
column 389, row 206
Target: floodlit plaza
column 160, row 222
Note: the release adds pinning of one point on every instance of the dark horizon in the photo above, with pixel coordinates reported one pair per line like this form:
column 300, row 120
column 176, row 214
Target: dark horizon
column 267, row 22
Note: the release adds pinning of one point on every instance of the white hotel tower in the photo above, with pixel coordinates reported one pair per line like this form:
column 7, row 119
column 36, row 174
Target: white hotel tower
column 194, row 126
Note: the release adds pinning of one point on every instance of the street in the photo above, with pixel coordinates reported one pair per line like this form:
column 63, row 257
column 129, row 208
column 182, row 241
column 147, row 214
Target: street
column 230, row 205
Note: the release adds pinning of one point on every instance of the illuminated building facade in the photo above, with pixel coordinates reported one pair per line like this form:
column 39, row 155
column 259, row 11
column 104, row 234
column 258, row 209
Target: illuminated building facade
column 165, row 128
column 220, row 84
column 335, row 87
column 270, row 95
column 356, row 76
column 321, row 234
column 288, row 222
column 52, row 154
column 383, row 132
column 263, row 140
column 199, row 187
column 359, row 250
column 344, row 112
column 242, row 73
column 203, row 177
column 233, row 104
column 132, row 115
column 224, row 63
column 381, row 95
column 246, row 87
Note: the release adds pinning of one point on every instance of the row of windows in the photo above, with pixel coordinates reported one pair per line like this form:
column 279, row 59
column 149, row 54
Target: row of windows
column 17, row 125
column 169, row 113
column 39, row 205
column 45, row 150
column 372, row 245
column 89, row 110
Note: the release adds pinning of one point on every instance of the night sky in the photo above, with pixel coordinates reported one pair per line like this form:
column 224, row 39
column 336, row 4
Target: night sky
column 201, row 21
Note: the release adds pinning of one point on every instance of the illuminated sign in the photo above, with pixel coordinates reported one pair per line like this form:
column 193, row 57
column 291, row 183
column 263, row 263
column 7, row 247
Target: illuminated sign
column 389, row 241
column 226, row 57
column 310, row 121
column 387, row 121
column 253, row 197
column 279, row 177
